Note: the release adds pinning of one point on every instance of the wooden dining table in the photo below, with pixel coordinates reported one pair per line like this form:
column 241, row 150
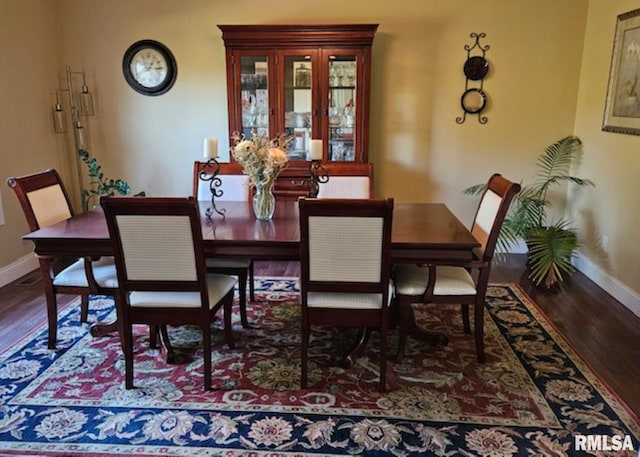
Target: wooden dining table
column 421, row 233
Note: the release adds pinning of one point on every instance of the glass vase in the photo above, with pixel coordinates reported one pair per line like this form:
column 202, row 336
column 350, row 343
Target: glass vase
column 264, row 203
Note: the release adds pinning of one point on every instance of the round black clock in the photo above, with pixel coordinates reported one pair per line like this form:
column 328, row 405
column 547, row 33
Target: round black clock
column 149, row 67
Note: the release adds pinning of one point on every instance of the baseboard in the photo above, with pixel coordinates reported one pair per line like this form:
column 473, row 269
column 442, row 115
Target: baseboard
column 17, row 269
column 609, row 284
column 604, row 280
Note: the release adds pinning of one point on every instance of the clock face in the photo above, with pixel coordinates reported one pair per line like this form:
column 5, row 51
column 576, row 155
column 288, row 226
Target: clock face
column 149, row 67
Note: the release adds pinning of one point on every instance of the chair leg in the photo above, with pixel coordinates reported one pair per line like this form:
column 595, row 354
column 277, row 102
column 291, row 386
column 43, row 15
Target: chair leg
column 479, row 329
column 206, row 344
column 383, row 359
column 153, row 336
column 464, row 308
column 242, row 290
column 227, row 309
column 126, row 340
column 304, row 348
column 403, row 327
column 52, row 318
column 252, row 291
column 84, row 307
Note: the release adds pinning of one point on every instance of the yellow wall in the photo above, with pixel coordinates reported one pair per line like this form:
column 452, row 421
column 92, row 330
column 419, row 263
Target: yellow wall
column 537, row 79
column 612, row 211
column 29, row 58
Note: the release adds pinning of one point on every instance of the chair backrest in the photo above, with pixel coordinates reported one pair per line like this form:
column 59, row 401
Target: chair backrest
column 492, row 210
column 345, row 244
column 157, row 243
column 348, row 181
column 233, row 182
column 43, row 198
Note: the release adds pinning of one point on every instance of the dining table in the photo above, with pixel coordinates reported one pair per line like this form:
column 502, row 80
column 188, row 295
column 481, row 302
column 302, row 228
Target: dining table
column 425, row 233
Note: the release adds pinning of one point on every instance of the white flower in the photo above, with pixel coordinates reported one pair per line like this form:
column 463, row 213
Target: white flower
column 262, row 159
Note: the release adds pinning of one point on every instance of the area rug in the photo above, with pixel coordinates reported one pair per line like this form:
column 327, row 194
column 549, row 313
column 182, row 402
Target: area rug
column 533, row 397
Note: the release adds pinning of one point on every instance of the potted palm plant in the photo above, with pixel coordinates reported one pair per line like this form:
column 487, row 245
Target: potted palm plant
column 551, row 244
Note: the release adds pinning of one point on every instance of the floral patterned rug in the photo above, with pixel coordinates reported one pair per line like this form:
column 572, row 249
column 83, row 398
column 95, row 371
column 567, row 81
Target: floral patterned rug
column 533, row 397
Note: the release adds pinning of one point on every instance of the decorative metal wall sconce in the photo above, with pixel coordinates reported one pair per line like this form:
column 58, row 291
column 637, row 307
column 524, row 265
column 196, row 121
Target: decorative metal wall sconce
column 474, row 99
column 84, row 108
column 317, row 175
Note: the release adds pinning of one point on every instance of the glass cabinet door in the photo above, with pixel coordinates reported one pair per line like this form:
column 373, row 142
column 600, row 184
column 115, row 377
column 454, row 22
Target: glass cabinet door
column 254, row 95
column 306, row 82
column 299, row 100
column 342, row 105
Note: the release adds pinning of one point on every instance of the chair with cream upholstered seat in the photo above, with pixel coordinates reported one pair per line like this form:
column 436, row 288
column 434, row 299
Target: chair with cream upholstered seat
column 162, row 275
column 44, row 201
column 463, row 284
column 235, row 187
column 345, row 247
column 350, row 180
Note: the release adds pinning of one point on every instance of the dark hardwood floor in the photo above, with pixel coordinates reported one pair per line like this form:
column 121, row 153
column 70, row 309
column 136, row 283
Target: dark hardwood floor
column 604, row 332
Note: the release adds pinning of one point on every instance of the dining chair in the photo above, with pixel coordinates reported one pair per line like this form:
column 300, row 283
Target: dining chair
column 44, row 201
column 347, row 181
column 345, row 247
column 458, row 284
column 162, row 275
column 235, row 186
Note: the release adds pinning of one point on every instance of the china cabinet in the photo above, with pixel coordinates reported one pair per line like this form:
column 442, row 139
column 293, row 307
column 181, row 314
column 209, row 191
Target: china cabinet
column 307, row 81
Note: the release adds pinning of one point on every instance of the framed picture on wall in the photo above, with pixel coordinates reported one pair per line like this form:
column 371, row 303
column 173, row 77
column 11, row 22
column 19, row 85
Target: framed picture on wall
column 622, row 105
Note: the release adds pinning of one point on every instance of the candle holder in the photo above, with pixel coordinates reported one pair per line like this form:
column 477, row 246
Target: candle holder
column 214, row 186
column 317, row 175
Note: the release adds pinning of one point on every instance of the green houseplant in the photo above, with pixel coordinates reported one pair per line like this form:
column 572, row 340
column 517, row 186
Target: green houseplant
column 551, row 244
column 99, row 184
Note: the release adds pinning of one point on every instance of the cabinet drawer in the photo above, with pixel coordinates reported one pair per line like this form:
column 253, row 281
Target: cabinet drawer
column 291, row 186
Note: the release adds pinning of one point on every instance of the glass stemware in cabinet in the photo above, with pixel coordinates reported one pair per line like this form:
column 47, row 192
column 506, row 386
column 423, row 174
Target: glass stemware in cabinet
column 298, row 104
column 254, row 96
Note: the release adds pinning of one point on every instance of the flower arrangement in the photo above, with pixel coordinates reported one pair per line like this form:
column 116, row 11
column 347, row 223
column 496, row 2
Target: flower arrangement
column 262, row 159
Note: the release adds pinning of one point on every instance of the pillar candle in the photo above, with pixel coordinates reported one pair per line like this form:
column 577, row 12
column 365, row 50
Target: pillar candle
column 315, row 150
column 210, row 148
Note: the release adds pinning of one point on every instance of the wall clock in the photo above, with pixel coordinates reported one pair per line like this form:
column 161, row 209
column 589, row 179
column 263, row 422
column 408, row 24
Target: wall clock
column 149, row 67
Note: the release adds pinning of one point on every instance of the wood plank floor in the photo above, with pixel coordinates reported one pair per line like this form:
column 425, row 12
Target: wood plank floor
column 603, row 332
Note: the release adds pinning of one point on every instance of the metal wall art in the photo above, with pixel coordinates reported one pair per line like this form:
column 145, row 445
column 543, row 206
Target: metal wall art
column 474, row 99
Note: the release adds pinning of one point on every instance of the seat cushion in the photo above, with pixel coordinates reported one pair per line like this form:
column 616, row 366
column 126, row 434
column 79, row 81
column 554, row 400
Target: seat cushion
column 347, row 300
column 453, row 281
column 410, row 279
column 104, row 270
column 413, row 280
column 218, row 287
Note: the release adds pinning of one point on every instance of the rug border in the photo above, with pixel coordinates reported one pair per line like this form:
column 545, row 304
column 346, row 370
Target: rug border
column 574, row 352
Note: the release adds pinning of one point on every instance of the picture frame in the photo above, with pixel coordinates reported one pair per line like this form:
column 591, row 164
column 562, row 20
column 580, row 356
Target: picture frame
column 622, row 104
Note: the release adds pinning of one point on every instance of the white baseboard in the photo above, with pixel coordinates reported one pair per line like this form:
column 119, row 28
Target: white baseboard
column 604, row 280
column 611, row 285
column 17, row 269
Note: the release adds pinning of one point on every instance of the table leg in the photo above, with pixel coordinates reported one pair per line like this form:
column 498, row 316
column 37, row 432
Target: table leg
column 433, row 337
column 101, row 329
column 356, row 348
